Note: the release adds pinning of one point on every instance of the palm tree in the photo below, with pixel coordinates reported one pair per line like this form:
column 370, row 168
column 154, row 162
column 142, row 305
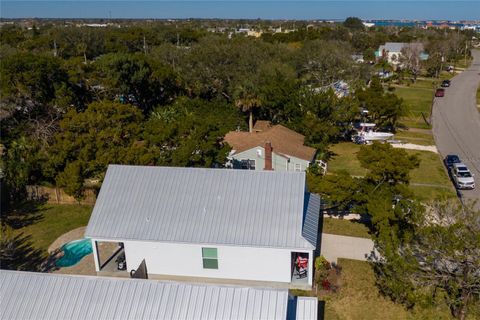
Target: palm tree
column 82, row 50
column 247, row 100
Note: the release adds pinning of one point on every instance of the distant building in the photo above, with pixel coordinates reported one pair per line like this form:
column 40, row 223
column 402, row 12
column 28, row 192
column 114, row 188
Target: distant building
column 254, row 33
column 197, row 224
column 32, row 295
column 269, row 147
column 358, row 58
column 392, row 51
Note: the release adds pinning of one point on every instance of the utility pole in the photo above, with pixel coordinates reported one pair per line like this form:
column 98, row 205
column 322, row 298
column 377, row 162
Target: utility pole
column 178, row 37
column 144, row 45
column 54, row 47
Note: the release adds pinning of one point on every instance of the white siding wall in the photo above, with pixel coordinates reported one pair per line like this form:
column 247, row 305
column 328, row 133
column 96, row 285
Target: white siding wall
column 395, row 55
column 279, row 162
column 243, row 263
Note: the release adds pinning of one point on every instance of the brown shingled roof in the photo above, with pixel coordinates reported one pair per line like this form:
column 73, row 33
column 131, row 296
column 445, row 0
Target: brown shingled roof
column 284, row 140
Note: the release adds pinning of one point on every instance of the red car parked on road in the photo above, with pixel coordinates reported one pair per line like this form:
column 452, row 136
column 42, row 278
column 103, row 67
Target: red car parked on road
column 440, row 92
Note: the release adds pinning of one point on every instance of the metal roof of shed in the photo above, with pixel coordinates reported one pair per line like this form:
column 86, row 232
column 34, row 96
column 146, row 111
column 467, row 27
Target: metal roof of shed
column 307, row 308
column 205, row 206
column 29, row 295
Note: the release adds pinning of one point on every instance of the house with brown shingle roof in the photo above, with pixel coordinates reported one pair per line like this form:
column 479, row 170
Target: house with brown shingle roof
column 269, row 147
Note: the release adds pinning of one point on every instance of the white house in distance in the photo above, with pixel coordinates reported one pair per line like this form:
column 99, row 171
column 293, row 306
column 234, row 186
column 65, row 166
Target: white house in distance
column 269, row 147
column 215, row 225
column 31, row 295
column 392, row 51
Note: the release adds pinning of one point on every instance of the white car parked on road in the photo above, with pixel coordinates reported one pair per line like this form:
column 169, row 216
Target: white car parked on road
column 462, row 177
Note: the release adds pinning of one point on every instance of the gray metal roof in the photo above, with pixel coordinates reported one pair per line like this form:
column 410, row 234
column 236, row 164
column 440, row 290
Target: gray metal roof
column 392, row 46
column 398, row 46
column 205, row 206
column 307, row 308
column 312, row 218
column 28, row 295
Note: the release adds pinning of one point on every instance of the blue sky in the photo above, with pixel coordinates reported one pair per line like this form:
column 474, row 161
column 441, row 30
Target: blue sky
column 251, row 9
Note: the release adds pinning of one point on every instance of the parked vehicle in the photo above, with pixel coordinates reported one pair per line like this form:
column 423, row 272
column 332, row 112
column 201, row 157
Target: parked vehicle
column 462, row 177
column 440, row 92
column 450, row 160
column 446, row 83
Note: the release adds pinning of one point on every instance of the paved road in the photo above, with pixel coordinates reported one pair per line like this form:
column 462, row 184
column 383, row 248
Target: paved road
column 456, row 122
column 334, row 246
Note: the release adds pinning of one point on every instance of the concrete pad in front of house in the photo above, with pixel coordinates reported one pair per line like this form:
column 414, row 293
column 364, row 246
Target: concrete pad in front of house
column 74, row 234
column 412, row 146
column 335, row 246
column 85, row 267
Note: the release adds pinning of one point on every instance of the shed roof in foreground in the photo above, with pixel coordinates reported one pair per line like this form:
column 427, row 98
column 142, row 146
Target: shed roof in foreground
column 205, row 206
column 29, row 295
column 307, row 308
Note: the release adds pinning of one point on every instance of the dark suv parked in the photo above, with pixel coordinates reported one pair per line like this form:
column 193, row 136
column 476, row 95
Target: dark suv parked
column 450, row 160
column 446, row 83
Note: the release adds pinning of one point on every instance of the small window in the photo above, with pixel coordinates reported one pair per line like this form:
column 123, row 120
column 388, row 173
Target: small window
column 298, row 167
column 247, row 164
column 251, row 164
column 210, row 258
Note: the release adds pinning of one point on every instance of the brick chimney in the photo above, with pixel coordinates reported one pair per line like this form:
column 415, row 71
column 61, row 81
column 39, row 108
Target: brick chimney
column 268, row 156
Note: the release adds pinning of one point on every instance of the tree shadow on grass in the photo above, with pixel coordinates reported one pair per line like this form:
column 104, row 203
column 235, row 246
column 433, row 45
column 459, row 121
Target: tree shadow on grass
column 24, row 214
column 18, row 253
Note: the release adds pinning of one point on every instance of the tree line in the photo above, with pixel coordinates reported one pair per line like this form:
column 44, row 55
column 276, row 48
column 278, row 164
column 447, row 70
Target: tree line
column 74, row 99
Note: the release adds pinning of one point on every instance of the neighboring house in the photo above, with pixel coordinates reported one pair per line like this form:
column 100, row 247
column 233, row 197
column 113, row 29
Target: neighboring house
column 392, row 51
column 269, row 147
column 31, row 295
column 232, row 226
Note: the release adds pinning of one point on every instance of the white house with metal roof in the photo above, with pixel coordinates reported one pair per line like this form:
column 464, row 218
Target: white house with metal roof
column 229, row 226
column 31, row 295
column 393, row 51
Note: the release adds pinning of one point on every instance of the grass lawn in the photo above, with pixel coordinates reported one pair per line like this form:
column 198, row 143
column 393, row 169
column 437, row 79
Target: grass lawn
column 345, row 158
column 55, row 221
column 431, row 172
column 431, row 169
column 359, row 298
column 345, row 228
column 418, row 99
column 461, row 63
column 420, row 138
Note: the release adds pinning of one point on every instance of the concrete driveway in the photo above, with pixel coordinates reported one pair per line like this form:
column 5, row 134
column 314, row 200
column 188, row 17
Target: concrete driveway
column 456, row 122
column 335, row 246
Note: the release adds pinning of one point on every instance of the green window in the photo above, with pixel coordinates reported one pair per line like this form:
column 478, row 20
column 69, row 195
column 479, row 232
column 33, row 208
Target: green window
column 210, row 258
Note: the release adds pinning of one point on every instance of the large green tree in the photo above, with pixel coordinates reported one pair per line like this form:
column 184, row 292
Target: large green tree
column 381, row 193
column 354, row 23
column 134, row 79
column 88, row 141
column 385, row 108
column 322, row 63
column 437, row 262
column 190, row 132
column 30, row 82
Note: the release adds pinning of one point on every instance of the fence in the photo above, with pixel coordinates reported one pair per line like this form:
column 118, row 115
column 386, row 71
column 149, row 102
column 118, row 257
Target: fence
column 56, row 195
